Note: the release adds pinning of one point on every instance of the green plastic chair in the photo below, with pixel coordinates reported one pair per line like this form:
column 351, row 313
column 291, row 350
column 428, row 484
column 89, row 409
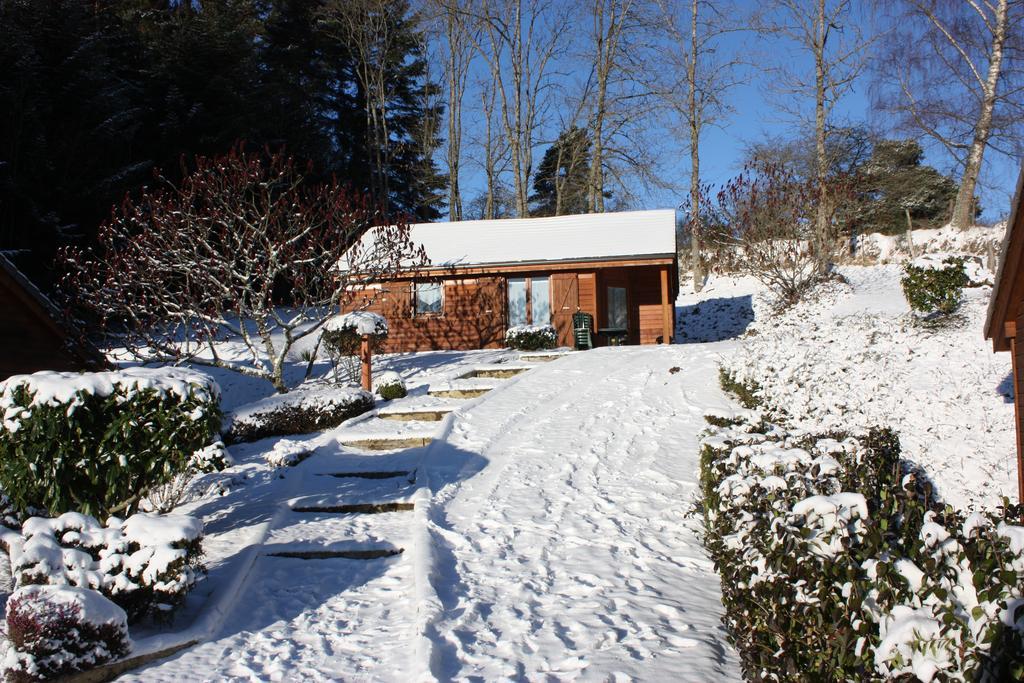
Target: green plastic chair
column 582, row 324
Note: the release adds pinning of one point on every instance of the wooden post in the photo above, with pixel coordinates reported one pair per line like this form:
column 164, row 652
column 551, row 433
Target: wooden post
column 364, row 361
column 666, row 308
column 1017, row 398
column 910, row 235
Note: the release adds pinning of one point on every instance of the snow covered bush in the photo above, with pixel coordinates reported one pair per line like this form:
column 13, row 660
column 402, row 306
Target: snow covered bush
column 343, row 336
column 166, row 496
column 531, row 337
column 390, row 385
column 299, row 412
column 836, row 559
column 288, row 453
column 145, row 564
column 96, row 442
column 54, row 631
column 933, row 285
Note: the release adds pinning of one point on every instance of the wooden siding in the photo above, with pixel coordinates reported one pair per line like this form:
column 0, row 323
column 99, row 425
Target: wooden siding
column 29, row 339
column 475, row 306
column 473, row 316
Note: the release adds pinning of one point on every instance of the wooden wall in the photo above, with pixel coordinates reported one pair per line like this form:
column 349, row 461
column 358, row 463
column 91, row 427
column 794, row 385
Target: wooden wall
column 28, row 341
column 475, row 308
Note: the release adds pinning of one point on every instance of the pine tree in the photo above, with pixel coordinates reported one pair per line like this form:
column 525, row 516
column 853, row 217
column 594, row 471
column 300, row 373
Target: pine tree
column 562, row 179
column 894, row 181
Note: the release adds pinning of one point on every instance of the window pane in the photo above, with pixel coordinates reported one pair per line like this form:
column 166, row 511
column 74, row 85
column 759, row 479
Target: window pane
column 428, row 297
column 618, row 316
column 516, row 301
column 541, row 301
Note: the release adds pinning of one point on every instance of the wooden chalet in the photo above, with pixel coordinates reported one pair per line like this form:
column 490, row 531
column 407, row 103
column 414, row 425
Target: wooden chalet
column 1005, row 322
column 32, row 338
column 485, row 276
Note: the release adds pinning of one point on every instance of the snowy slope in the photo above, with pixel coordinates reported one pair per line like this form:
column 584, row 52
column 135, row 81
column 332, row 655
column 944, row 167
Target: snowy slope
column 851, row 356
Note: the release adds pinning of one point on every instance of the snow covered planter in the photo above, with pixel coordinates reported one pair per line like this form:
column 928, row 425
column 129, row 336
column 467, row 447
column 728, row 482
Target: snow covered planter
column 145, row 564
column 390, row 385
column 93, row 442
column 58, row 630
column 933, row 284
column 299, row 412
column 836, row 560
column 531, row 337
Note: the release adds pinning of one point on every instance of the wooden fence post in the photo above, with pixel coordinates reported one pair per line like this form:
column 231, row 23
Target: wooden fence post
column 364, row 361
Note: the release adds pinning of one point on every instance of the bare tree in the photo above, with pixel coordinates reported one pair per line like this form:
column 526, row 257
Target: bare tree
column 192, row 272
column 519, row 40
column 454, row 25
column 830, row 36
column 696, row 91
column 954, row 74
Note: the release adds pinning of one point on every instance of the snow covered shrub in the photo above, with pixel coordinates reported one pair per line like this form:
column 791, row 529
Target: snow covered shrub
column 166, row 496
column 835, row 559
column 746, row 391
column 145, row 564
column 390, row 385
column 57, row 630
column 343, row 335
column 933, row 285
column 95, row 442
column 288, row 453
column 531, row 337
column 299, row 412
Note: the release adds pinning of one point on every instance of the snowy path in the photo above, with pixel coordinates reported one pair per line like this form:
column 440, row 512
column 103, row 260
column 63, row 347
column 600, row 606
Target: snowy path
column 555, row 541
column 569, row 554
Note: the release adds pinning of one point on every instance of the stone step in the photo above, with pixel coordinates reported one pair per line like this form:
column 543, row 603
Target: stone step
column 357, row 508
column 416, row 415
column 459, row 393
column 389, row 444
column 373, row 554
column 367, row 475
column 493, row 373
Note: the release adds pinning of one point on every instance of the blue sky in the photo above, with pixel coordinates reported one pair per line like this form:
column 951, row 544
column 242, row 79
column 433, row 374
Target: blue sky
column 754, row 117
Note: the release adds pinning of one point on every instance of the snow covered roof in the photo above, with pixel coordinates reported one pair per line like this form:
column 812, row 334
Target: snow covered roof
column 584, row 237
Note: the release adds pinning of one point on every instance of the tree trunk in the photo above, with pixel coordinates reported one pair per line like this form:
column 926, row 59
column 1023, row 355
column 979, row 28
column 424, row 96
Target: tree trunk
column 696, row 267
column 821, row 227
column 963, row 210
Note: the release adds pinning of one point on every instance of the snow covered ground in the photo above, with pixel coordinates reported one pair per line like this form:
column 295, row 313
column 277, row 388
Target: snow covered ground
column 852, row 356
column 542, row 533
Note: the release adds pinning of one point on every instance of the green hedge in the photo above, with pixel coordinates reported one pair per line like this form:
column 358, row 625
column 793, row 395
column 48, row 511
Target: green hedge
column 93, row 442
column 837, row 563
column 932, row 290
column 531, row 337
column 299, row 412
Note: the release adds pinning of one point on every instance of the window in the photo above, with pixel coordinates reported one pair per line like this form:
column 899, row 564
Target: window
column 429, row 298
column 529, row 301
column 618, row 315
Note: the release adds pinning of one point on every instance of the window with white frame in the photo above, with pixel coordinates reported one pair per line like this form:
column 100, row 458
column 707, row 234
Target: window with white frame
column 529, row 301
column 429, row 298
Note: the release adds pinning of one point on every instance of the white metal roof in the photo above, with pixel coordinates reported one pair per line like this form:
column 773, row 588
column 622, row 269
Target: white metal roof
column 592, row 236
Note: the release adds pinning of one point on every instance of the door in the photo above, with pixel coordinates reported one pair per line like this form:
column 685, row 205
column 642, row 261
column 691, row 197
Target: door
column 565, row 298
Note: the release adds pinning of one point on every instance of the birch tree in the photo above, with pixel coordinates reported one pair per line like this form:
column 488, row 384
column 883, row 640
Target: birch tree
column 701, row 79
column 954, row 74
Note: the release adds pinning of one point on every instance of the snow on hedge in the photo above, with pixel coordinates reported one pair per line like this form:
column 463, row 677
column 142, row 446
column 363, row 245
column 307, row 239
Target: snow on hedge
column 67, row 388
column 531, row 337
column 362, row 322
column 300, row 411
column 835, row 559
column 58, row 630
column 851, row 357
column 146, row 562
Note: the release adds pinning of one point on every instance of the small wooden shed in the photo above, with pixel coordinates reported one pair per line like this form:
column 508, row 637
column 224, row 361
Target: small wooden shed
column 1005, row 322
column 32, row 338
column 485, row 276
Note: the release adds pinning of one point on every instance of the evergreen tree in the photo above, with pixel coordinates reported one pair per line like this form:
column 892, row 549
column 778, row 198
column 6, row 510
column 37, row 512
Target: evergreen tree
column 561, row 181
column 893, row 181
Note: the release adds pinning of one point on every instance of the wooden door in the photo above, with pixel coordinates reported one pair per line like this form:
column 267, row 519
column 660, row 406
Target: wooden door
column 565, row 298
